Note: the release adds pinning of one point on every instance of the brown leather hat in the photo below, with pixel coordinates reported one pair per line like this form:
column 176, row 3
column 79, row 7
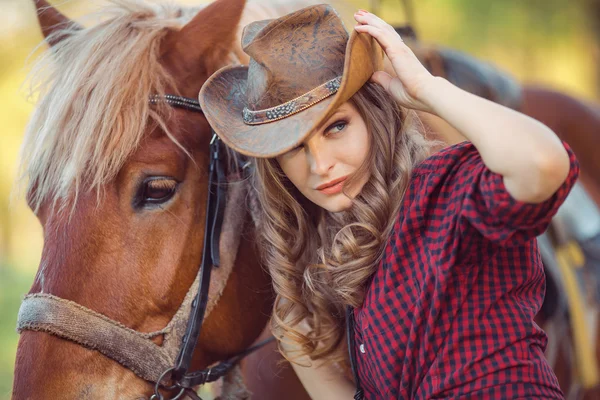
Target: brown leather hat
column 303, row 66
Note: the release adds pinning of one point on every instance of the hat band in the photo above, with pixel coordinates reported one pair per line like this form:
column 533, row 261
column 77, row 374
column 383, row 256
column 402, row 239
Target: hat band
column 293, row 106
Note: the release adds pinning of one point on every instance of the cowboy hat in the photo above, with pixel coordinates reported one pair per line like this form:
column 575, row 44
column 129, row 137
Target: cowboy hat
column 303, row 66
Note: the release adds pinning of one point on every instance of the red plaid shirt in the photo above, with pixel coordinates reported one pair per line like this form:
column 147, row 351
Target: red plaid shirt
column 449, row 312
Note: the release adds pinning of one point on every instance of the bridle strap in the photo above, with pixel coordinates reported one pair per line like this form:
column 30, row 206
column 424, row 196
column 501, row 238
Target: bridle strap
column 212, row 374
column 217, row 162
column 177, row 101
column 214, row 216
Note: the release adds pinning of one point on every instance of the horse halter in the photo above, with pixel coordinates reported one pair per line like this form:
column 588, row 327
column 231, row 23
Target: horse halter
column 53, row 315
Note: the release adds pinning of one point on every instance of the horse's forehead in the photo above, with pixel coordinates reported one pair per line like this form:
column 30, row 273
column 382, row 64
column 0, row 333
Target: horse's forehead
column 190, row 132
column 155, row 149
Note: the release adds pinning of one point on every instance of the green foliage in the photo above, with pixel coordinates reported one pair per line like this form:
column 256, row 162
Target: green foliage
column 13, row 286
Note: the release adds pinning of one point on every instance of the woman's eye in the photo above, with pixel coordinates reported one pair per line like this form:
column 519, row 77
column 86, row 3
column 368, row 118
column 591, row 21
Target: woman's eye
column 157, row 190
column 337, row 127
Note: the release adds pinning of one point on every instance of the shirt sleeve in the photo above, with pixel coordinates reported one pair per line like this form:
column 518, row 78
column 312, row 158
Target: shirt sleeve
column 493, row 212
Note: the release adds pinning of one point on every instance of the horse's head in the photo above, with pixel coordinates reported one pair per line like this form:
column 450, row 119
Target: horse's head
column 120, row 185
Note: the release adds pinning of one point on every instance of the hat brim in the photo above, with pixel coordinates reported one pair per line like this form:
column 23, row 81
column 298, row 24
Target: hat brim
column 223, row 98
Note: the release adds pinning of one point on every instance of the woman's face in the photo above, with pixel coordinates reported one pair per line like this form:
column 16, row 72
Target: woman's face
column 321, row 164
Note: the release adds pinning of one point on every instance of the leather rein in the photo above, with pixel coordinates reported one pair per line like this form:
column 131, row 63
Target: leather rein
column 53, row 315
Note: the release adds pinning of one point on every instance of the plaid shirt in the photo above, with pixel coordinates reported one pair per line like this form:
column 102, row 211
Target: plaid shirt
column 449, row 312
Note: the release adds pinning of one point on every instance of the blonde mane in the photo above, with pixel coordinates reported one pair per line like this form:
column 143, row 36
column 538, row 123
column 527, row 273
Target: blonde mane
column 93, row 111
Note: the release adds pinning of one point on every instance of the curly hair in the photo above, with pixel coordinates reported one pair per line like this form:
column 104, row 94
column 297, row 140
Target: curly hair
column 321, row 262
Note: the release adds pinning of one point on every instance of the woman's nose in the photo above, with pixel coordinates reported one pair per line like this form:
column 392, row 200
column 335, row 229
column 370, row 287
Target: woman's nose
column 320, row 159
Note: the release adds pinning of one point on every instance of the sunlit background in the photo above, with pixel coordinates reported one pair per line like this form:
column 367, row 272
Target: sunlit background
column 554, row 42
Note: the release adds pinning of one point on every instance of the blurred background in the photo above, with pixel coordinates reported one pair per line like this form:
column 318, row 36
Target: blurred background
column 554, row 42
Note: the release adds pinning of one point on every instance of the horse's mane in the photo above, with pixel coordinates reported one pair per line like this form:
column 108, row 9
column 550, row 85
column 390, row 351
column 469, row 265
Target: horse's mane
column 94, row 87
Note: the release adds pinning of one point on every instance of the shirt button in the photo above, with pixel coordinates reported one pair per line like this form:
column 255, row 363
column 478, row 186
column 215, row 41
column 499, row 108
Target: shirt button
column 362, row 348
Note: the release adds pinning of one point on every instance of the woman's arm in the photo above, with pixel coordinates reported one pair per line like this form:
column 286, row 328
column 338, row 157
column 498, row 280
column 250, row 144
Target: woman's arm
column 322, row 381
column 528, row 155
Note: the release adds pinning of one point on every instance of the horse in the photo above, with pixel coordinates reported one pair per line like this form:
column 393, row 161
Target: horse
column 119, row 163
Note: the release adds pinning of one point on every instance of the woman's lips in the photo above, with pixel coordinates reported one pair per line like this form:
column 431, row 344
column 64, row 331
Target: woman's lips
column 333, row 187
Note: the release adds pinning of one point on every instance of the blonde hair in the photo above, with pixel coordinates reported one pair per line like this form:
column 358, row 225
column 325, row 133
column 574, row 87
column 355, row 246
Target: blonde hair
column 94, row 87
column 321, row 262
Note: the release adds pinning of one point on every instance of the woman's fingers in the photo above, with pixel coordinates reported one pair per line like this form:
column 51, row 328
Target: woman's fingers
column 410, row 73
column 367, row 18
column 384, row 38
column 387, row 37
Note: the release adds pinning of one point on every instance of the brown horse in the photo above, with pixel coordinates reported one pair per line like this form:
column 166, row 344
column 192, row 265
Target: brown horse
column 120, row 187
column 578, row 123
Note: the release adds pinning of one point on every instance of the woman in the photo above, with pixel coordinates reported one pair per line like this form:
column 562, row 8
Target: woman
column 436, row 256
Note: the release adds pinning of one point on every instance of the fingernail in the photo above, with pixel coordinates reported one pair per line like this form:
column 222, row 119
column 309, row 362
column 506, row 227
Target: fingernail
column 364, row 11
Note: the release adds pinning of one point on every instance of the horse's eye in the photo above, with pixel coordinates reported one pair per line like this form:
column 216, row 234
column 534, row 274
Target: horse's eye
column 157, row 190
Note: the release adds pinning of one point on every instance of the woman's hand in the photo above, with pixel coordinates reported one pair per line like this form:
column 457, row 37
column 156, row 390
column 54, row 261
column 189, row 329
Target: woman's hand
column 408, row 87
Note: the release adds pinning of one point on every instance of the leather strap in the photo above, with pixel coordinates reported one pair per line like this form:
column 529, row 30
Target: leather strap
column 192, row 394
column 212, row 374
column 221, row 199
column 214, row 215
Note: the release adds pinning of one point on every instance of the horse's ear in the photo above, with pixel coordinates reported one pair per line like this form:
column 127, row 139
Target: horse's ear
column 51, row 20
column 205, row 42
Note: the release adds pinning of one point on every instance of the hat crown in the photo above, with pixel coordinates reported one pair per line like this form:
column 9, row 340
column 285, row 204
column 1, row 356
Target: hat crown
column 292, row 55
